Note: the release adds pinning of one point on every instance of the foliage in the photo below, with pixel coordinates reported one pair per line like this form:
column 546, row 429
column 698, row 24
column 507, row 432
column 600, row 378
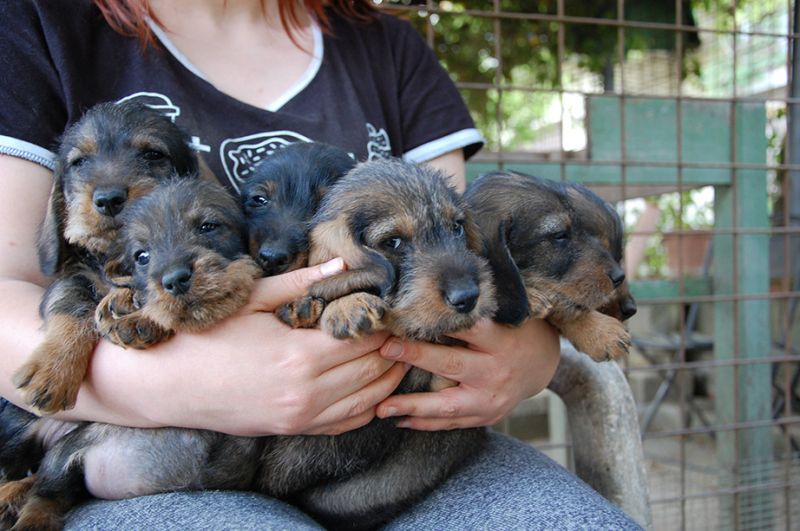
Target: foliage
column 527, row 53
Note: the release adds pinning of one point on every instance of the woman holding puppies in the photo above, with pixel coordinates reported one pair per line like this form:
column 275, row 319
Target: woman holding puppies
column 244, row 78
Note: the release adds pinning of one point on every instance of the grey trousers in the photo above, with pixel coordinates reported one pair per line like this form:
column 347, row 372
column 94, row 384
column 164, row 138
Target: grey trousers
column 509, row 486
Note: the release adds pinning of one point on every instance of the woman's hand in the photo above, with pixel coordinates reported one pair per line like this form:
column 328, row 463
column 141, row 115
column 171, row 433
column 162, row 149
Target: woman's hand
column 500, row 367
column 253, row 375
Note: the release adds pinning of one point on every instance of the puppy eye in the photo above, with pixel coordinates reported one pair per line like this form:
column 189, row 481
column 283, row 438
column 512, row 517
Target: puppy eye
column 394, row 243
column 142, row 258
column 458, row 227
column 152, row 155
column 208, row 226
column 561, row 236
column 258, row 200
column 78, row 162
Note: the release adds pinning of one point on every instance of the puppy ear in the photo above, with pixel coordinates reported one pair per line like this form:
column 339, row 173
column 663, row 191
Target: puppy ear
column 118, row 271
column 204, row 171
column 512, row 298
column 472, row 234
column 51, row 245
column 332, row 238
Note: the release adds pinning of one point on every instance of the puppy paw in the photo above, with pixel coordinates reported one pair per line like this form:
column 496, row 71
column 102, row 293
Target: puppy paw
column 48, row 382
column 13, row 495
column 118, row 321
column 540, row 305
column 354, row 316
column 117, row 303
column 601, row 337
column 40, row 514
column 302, row 313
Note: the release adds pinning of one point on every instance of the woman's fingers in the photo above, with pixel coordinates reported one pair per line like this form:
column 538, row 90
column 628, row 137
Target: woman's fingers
column 499, row 367
column 360, row 405
column 348, row 378
column 316, row 353
column 271, row 292
column 453, row 403
column 455, row 363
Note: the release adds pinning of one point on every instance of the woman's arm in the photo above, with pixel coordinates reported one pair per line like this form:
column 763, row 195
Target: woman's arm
column 26, row 187
column 452, row 164
column 249, row 375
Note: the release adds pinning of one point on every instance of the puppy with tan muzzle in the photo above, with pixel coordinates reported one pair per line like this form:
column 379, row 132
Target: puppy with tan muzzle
column 555, row 250
column 183, row 254
column 413, row 269
column 112, row 155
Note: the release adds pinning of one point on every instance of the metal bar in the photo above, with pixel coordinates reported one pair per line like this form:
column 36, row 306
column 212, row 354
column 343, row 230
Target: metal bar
column 634, row 24
column 656, row 164
column 498, row 78
column 717, row 428
column 774, row 485
column 760, row 296
column 791, row 187
column 711, row 364
column 737, row 230
column 681, row 375
column 478, row 85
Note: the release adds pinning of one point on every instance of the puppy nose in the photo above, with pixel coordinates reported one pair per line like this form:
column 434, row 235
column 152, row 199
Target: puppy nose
column 617, row 276
column 273, row 260
column 109, row 201
column 628, row 309
column 177, row 280
column 462, row 297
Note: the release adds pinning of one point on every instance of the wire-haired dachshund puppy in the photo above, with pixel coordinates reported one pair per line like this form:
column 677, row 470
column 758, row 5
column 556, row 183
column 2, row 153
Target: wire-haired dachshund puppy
column 185, row 256
column 113, row 154
column 555, row 250
column 413, row 268
column 280, row 198
column 603, row 223
column 185, row 259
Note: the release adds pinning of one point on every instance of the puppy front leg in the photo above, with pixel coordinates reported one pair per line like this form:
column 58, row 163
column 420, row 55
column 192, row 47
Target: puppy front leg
column 51, row 378
column 306, row 311
column 119, row 321
column 600, row 336
column 540, row 304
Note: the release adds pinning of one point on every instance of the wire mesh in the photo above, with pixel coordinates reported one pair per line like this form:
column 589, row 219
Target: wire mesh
column 681, row 112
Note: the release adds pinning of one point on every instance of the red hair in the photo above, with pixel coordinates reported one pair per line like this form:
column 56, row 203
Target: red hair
column 129, row 17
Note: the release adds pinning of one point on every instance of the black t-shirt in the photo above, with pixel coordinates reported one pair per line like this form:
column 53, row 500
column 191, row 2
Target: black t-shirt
column 372, row 89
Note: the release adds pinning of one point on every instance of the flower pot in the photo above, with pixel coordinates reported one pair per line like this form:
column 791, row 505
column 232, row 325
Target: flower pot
column 686, row 252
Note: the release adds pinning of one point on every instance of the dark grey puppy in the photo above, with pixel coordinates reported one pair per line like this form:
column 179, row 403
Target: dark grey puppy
column 282, row 196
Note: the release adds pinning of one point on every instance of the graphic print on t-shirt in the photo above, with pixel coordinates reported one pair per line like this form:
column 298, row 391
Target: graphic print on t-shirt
column 378, row 146
column 157, row 101
column 165, row 106
column 240, row 155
